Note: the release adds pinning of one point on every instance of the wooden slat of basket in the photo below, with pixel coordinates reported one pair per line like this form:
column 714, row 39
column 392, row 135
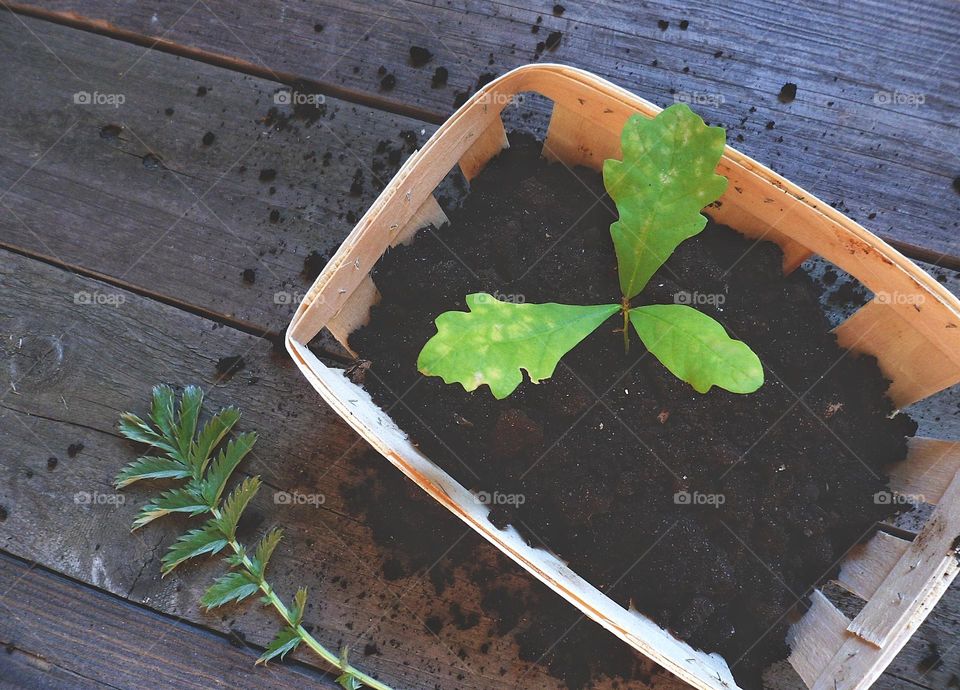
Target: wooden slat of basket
column 487, row 145
column 867, row 566
column 732, row 212
column 400, row 202
column 575, row 140
column 917, row 361
column 428, row 214
column 354, row 313
column 816, row 637
column 858, row 663
column 925, row 569
column 930, row 467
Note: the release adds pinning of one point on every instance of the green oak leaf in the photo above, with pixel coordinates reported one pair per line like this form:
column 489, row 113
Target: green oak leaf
column 697, row 349
column 664, row 180
column 492, row 342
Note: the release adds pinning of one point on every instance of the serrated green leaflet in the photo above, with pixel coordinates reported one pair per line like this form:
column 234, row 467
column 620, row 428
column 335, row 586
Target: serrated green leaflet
column 234, row 586
column 492, row 342
column 696, row 348
column 151, row 467
column 665, row 179
column 197, row 542
column 286, row 640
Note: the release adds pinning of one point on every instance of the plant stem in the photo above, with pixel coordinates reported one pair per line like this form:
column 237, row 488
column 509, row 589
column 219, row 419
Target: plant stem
column 625, row 308
column 284, row 612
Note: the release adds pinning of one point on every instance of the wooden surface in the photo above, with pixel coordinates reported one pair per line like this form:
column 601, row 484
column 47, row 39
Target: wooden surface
column 129, row 202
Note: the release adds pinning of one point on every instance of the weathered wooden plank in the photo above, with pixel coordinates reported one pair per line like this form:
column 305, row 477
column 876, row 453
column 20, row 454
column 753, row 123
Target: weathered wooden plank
column 209, row 201
column 67, row 370
column 58, row 633
column 874, row 103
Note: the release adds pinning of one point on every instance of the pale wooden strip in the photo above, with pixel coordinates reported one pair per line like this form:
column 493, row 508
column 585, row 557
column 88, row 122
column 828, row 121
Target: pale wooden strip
column 867, row 566
column 858, row 664
column 930, row 466
column 816, row 637
column 429, row 213
column 744, row 221
column 917, row 365
column 488, row 144
column 928, row 563
column 574, row 140
column 354, row 313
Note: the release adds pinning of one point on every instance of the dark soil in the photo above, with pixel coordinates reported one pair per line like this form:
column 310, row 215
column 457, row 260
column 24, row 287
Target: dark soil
column 605, row 484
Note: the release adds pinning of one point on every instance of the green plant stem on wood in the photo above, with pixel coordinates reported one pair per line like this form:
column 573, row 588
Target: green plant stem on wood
column 290, row 619
column 186, row 453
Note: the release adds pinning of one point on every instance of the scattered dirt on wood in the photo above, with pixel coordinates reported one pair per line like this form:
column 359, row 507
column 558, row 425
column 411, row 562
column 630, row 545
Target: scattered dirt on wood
column 711, row 513
column 439, row 79
column 228, row 366
column 313, row 264
column 419, row 56
column 787, row 93
column 74, row 449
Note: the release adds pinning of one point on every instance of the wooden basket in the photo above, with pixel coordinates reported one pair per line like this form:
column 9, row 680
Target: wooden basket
column 912, row 326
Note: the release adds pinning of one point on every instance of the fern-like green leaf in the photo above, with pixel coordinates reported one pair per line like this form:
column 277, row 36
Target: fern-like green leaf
column 172, row 501
column 664, row 180
column 234, row 586
column 151, row 467
column 265, row 549
column 161, row 411
column 697, row 349
column 235, row 504
column 190, row 402
column 212, row 485
column 210, row 436
column 286, row 640
column 299, row 606
column 135, row 429
column 492, row 342
column 197, row 542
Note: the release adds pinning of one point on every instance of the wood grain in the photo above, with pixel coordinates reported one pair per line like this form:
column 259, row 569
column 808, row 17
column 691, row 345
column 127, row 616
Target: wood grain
column 58, row 634
column 870, row 129
column 132, row 194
